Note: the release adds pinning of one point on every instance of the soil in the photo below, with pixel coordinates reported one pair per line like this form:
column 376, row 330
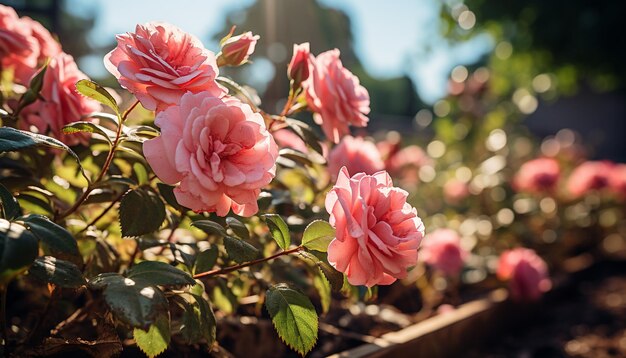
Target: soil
column 584, row 318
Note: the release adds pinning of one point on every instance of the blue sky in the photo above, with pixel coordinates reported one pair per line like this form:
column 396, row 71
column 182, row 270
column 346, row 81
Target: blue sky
column 389, row 39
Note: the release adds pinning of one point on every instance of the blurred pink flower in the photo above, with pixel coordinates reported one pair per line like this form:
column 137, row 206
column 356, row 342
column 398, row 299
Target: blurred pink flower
column 377, row 231
column 298, row 69
column 591, row 175
column 217, row 150
column 335, row 95
column 48, row 46
column 159, row 62
column 357, row 155
column 617, row 180
column 455, row 190
column 288, row 139
column 442, row 250
column 61, row 103
column 19, row 50
column 526, row 272
column 237, row 49
column 537, row 176
column 410, row 156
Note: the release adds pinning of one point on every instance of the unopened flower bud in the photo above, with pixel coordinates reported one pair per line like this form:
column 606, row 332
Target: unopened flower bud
column 237, row 49
column 298, row 69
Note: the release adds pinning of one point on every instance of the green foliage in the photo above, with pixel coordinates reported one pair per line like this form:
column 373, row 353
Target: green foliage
column 206, row 259
column 96, row 92
column 198, row 321
column 9, row 205
column 238, row 228
column 318, row 235
column 293, row 316
column 278, row 229
column 155, row 340
column 56, row 241
column 18, row 249
column 58, row 272
column 141, row 212
column 135, row 302
column 14, row 139
column 239, row 250
column 210, row 227
column 160, row 273
column 323, row 289
column 89, row 127
column 306, row 133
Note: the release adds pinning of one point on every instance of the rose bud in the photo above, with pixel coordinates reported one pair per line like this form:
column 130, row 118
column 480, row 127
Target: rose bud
column 237, row 49
column 298, row 69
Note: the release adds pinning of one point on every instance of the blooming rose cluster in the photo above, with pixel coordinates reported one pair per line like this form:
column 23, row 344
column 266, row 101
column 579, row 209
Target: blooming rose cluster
column 357, row 155
column 377, row 231
column 595, row 175
column 537, row 176
column 526, row 272
column 25, row 45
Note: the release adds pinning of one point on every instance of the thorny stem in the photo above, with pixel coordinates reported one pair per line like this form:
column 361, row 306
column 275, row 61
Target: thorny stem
column 246, row 264
column 105, row 167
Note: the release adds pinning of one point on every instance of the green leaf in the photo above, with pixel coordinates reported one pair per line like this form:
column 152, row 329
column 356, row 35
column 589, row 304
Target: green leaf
column 58, row 272
column 235, row 89
column 293, row 316
column 333, row 276
column 198, row 321
column 132, row 301
column 141, row 173
column 167, row 192
column 239, row 250
column 160, row 273
column 155, row 340
column 278, row 229
column 210, row 227
column 14, row 139
column 306, row 133
column 206, row 260
column 141, row 212
column 56, row 241
column 238, row 228
column 18, row 249
column 88, row 127
column 296, row 156
column 95, row 91
column 318, row 235
column 10, row 207
column 323, row 289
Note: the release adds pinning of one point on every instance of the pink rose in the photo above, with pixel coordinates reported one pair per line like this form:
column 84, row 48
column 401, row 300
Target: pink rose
column 617, row 180
column 412, row 157
column 298, row 68
column 589, row 176
column 526, row 272
column 455, row 190
column 61, row 104
column 48, row 46
column 377, row 231
column 537, row 176
column 237, row 49
column 288, row 139
column 442, row 250
column 18, row 49
column 218, row 150
column 335, row 95
column 357, row 155
column 159, row 62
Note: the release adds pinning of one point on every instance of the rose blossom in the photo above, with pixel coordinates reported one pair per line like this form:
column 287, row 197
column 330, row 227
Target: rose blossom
column 217, row 149
column 377, row 231
column 591, row 175
column 159, row 62
column 288, row 139
column 61, row 104
column 298, row 68
column 617, row 180
column 442, row 250
column 335, row 95
column 18, row 49
column 537, row 176
column 357, row 155
column 237, row 49
column 527, row 273
column 411, row 156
